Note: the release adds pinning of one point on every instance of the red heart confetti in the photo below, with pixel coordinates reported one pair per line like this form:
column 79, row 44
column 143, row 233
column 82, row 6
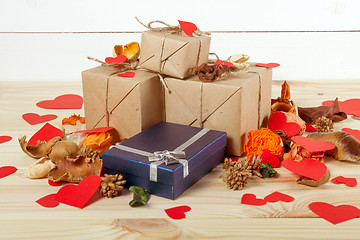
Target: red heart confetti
column 118, row 59
column 34, row 118
column 66, row 101
column 4, row 139
column 187, row 27
column 127, row 74
column 49, row 201
column 355, row 133
column 350, row 106
column 277, row 121
column 310, row 128
column 334, row 214
column 45, row 133
column 95, row 130
column 223, row 63
column 278, row 196
column 350, row 182
column 55, row 184
column 267, row 65
column 177, row 212
column 308, row 167
column 250, row 199
column 269, row 158
column 79, row 195
column 7, row 170
column 312, row 145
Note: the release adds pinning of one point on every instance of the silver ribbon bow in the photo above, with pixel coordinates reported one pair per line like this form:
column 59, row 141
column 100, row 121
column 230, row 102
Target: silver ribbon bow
column 167, row 157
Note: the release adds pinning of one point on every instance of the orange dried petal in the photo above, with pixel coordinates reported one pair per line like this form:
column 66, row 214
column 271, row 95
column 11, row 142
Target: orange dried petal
column 73, row 119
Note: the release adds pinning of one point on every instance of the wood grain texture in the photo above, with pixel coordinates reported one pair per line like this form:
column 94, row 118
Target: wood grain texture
column 216, row 211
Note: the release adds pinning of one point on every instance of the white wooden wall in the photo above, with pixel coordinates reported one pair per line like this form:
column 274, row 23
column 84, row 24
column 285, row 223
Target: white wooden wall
column 314, row 40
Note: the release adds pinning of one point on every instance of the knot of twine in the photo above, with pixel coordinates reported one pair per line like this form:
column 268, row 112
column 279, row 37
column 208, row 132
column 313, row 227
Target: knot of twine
column 169, row 28
column 121, row 66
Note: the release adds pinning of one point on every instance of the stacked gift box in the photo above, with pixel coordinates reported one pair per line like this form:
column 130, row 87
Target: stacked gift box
column 164, row 109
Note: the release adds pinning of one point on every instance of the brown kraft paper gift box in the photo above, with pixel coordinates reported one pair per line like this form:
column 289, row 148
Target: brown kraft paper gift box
column 130, row 105
column 236, row 103
column 173, row 54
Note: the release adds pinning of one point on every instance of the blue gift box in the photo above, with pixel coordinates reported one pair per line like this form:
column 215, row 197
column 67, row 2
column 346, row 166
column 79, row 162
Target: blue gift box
column 167, row 158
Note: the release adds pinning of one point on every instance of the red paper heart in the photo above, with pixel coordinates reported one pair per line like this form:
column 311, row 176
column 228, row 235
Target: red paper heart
column 95, row 130
column 187, row 27
column 277, row 196
column 312, row 145
column 224, row 63
column 270, row 159
column 177, row 212
column 79, row 195
column 355, row 133
column 7, row 170
column 350, row 182
column 334, row 214
column 45, row 133
column 34, row 118
column 250, row 199
column 127, row 74
column 267, row 65
column 350, row 106
column 310, row 128
column 55, row 184
column 66, row 101
column 118, row 59
column 4, row 139
column 49, row 201
column 277, row 121
column 308, row 167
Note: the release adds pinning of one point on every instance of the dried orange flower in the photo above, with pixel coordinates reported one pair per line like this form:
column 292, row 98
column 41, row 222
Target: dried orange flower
column 73, row 119
column 259, row 140
column 100, row 142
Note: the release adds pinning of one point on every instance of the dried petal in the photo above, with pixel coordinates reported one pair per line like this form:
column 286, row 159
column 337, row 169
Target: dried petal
column 99, row 142
column 73, row 119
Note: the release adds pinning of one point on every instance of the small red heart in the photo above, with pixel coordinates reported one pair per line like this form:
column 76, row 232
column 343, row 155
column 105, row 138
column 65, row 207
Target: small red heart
column 277, row 196
column 224, row 63
column 187, row 27
column 66, row 101
column 49, row 201
column 350, row 182
column 34, row 118
column 334, row 214
column 308, row 167
column 355, row 133
column 267, row 65
column 310, row 128
column 350, row 106
column 55, row 184
column 277, row 121
column 270, row 159
column 7, row 170
column 95, row 130
column 45, row 133
column 250, row 199
column 312, row 145
column 79, row 195
column 127, row 74
column 177, row 212
column 118, row 59
column 4, row 139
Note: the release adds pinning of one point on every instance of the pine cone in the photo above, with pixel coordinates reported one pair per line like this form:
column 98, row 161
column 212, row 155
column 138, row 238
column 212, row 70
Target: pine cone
column 324, row 124
column 236, row 176
column 111, row 185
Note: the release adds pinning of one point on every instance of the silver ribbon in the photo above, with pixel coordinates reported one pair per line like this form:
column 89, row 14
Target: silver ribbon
column 167, row 157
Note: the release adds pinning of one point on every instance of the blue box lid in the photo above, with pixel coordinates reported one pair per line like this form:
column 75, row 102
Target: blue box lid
column 160, row 137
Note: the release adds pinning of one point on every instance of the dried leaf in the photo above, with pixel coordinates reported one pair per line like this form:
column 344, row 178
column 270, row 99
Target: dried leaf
column 266, row 170
column 209, row 73
column 141, row 196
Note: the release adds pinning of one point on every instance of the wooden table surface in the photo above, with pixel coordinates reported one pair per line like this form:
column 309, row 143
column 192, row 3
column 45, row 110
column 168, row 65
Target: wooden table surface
column 216, row 211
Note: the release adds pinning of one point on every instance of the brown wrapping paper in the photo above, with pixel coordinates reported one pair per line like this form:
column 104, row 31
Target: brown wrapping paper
column 130, row 105
column 173, row 54
column 235, row 104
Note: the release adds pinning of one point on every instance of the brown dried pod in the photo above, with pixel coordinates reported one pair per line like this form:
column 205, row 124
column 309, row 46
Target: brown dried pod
column 41, row 149
column 347, row 147
column 313, row 183
column 40, row 169
column 283, row 103
column 209, row 73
